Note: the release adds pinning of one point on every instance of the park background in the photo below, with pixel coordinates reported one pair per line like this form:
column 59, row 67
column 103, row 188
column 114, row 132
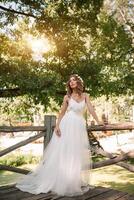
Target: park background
column 41, row 44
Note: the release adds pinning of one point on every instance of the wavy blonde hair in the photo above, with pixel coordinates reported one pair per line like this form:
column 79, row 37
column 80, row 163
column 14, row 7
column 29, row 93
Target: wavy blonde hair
column 80, row 85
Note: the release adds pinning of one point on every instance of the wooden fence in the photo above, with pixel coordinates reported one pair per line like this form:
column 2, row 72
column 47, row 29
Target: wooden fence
column 46, row 132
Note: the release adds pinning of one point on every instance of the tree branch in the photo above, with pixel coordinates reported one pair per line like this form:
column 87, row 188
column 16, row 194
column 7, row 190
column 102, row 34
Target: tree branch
column 17, row 12
column 114, row 160
column 95, row 165
column 125, row 165
column 14, row 92
column 11, row 92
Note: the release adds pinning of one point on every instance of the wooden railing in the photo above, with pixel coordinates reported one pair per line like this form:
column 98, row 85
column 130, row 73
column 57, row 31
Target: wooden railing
column 42, row 131
column 46, row 131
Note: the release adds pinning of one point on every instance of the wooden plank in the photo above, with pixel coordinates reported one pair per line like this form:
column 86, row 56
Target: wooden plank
column 108, row 127
column 112, row 127
column 56, row 197
column 127, row 166
column 22, row 143
column 97, row 193
column 9, row 129
column 111, row 161
column 6, row 192
column 130, row 197
column 50, row 122
column 110, row 195
column 44, row 196
column 90, row 193
column 125, row 197
column 4, row 187
column 14, row 195
column 14, row 169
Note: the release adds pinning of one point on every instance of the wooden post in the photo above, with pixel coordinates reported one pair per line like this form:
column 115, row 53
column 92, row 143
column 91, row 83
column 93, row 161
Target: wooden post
column 133, row 116
column 50, row 122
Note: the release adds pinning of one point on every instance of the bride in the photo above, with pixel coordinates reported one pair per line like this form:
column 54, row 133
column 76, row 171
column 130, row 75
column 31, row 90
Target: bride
column 66, row 164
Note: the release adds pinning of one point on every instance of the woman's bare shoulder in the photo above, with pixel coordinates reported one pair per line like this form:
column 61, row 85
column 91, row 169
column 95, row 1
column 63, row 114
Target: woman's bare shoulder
column 66, row 98
column 86, row 95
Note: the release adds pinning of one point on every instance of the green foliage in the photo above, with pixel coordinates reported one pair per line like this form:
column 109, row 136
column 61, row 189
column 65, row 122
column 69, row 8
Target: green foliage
column 86, row 41
column 12, row 109
column 98, row 158
column 18, row 160
column 130, row 161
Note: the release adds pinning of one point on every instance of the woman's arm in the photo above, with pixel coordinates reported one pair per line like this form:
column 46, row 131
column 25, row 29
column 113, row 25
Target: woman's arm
column 91, row 109
column 61, row 114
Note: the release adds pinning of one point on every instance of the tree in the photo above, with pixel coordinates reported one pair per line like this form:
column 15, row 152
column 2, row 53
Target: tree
column 86, row 41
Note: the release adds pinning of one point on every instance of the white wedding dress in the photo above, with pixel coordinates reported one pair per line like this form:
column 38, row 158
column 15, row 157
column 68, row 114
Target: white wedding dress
column 66, row 165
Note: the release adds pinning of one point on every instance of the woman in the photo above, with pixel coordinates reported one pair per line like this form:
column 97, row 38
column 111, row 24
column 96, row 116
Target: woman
column 65, row 167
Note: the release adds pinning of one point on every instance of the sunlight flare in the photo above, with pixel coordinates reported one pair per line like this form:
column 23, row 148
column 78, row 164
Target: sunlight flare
column 39, row 46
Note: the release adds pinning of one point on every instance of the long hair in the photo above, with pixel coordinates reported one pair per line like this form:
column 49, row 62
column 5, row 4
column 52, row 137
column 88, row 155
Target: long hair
column 80, row 85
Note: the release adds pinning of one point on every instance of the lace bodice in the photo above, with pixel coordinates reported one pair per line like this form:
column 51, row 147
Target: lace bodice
column 77, row 107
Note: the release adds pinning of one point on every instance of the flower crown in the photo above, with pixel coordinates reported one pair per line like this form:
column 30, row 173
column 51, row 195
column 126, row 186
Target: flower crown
column 79, row 78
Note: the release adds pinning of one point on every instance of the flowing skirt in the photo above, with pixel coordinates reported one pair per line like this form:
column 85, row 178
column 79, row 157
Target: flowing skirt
column 66, row 164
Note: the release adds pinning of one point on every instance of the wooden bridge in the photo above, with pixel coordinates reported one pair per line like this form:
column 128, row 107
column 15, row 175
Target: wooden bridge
column 97, row 193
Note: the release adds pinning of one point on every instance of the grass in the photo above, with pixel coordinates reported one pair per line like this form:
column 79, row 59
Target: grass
column 18, row 160
column 7, row 177
column 112, row 176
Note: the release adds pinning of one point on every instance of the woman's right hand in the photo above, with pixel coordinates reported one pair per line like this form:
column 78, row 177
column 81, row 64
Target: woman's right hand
column 101, row 123
column 57, row 131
